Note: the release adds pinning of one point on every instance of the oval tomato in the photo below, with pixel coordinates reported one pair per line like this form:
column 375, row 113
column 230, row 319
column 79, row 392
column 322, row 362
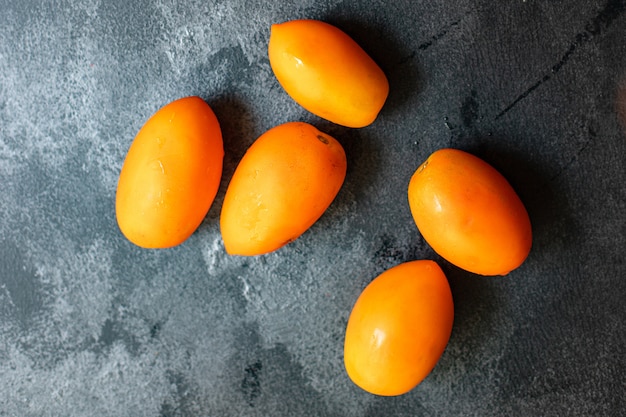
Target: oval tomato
column 170, row 175
column 399, row 328
column 469, row 214
column 282, row 185
column 327, row 72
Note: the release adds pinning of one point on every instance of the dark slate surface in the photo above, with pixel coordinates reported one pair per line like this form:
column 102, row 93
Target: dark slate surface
column 92, row 326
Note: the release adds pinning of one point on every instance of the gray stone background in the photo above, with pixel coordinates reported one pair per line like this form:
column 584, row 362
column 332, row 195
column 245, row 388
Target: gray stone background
column 92, row 326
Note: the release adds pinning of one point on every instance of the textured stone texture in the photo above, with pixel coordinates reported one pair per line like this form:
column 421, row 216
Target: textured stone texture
column 91, row 325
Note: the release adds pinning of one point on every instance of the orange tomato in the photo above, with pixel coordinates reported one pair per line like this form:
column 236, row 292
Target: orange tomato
column 282, row 185
column 327, row 72
column 469, row 214
column 399, row 328
column 170, row 175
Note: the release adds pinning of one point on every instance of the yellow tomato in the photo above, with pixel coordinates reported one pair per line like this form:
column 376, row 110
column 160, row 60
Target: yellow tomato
column 399, row 328
column 327, row 72
column 282, row 185
column 170, row 175
column 469, row 214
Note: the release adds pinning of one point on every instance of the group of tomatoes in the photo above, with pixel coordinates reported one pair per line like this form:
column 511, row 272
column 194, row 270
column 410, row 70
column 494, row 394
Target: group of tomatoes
column 464, row 208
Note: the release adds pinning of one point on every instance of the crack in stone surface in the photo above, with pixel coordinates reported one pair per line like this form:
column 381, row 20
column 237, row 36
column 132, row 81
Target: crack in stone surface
column 596, row 26
column 425, row 45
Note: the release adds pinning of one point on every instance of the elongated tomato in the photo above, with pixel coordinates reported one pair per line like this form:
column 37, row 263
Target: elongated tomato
column 170, row 175
column 282, row 185
column 398, row 328
column 327, row 72
column 469, row 214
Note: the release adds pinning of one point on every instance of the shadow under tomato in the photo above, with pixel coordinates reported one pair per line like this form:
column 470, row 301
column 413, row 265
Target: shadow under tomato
column 398, row 62
column 363, row 155
column 364, row 147
column 483, row 303
column 402, row 405
column 549, row 211
column 475, row 310
column 238, row 132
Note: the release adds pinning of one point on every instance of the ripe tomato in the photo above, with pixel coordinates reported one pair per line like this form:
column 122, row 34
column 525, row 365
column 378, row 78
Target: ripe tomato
column 170, row 175
column 327, row 72
column 398, row 328
column 282, row 185
column 469, row 214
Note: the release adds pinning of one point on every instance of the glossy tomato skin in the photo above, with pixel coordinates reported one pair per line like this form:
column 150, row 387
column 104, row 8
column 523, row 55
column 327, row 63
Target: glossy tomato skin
column 283, row 184
column 469, row 214
column 171, row 174
column 398, row 328
column 327, row 72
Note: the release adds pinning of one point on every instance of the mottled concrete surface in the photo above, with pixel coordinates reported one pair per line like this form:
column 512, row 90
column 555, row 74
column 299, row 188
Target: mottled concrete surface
column 92, row 326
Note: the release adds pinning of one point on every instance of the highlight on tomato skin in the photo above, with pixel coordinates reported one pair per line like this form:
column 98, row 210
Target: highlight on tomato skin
column 469, row 213
column 399, row 328
column 283, row 184
column 170, row 175
column 325, row 71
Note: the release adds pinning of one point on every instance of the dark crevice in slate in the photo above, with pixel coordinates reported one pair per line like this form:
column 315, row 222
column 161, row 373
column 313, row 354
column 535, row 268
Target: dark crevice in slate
column 441, row 34
column 596, row 26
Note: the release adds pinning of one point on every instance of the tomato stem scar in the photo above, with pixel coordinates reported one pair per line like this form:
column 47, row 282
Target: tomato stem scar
column 323, row 139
